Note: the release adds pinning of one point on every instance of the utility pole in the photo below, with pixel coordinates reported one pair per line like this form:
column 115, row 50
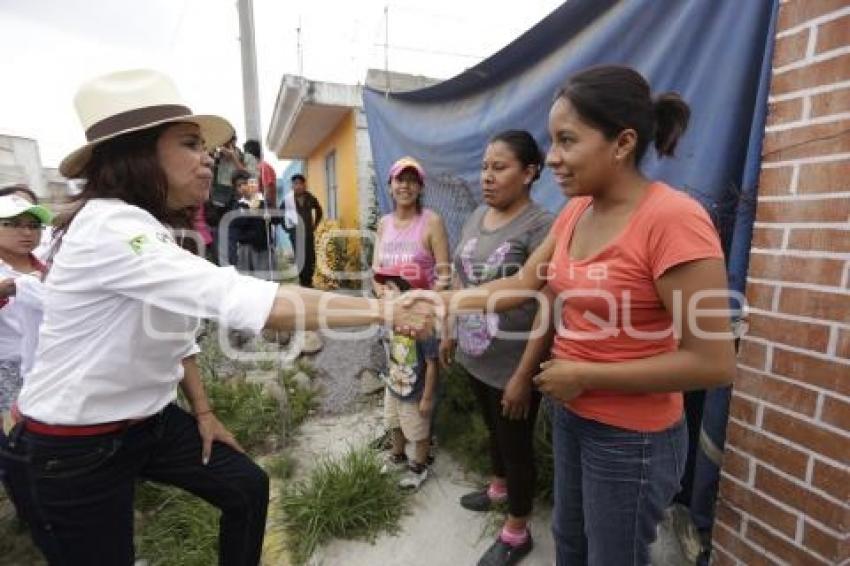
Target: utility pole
column 387, row 50
column 300, row 53
column 250, row 88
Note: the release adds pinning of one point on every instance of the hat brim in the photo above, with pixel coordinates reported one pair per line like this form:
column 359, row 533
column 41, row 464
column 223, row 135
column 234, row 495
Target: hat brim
column 214, row 129
column 419, row 172
column 40, row 212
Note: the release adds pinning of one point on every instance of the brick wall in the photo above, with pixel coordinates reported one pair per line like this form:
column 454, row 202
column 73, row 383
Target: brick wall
column 785, row 487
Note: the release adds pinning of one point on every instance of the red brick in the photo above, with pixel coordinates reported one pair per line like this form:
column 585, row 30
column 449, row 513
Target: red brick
column 834, row 481
column 826, row 210
column 832, row 34
column 796, row 12
column 815, row 304
column 836, row 413
column 817, row 270
column 832, row 102
column 760, row 295
column 832, row 70
column 761, row 507
column 827, row 374
column 720, row 557
column 736, row 546
column 767, row 238
column 821, row 542
column 728, row 515
column 778, row 392
column 808, row 141
column 790, row 48
column 780, row 547
column 806, row 335
column 843, row 346
column 775, row 181
column 809, row 503
column 743, row 410
column 735, row 463
column 752, row 354
column 819, row 239
column 784, row 111
column 781, row 456
column 807, row 435
column 827, row 177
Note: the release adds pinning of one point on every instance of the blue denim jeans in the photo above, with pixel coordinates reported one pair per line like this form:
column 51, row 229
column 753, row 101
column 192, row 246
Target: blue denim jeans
column 611, row 488
column 77, row 493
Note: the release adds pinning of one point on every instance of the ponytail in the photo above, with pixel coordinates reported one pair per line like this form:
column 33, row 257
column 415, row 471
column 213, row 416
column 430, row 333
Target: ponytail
column 671, row 119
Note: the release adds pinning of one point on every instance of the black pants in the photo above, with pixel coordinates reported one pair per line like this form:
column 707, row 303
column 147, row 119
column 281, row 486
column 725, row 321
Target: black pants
column 511, row 446
column 77, row 493
column 304, row 249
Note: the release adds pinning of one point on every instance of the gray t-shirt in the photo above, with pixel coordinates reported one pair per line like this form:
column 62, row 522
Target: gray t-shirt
column 484, row 255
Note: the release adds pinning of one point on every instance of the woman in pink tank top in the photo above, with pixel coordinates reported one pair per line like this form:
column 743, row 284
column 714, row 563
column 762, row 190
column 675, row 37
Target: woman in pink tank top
column 412, row 235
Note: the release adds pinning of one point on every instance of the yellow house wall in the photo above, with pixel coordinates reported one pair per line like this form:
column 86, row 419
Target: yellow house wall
column 342, row 139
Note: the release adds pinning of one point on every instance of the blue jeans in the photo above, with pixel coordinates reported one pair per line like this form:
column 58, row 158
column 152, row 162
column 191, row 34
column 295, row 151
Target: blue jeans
column 77, row 493
column 611, row 488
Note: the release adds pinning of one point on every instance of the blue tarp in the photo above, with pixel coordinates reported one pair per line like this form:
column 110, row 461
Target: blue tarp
column 716, row 53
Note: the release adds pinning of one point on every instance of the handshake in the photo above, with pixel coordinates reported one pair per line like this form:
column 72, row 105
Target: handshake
column 418, row 313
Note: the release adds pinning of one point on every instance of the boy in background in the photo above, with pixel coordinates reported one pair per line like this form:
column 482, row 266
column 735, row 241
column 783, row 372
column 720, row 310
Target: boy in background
column 252, row 230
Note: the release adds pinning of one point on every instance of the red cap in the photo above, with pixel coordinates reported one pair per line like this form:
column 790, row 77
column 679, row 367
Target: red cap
column 410, row 272
column 407, row 163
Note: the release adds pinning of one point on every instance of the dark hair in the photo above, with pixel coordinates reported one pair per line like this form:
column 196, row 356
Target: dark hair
column 253, row 147
column 524, row 147
column 298, row 177
column 238, row 176
column 612, row 98
column 127, row 168
column 12, row 189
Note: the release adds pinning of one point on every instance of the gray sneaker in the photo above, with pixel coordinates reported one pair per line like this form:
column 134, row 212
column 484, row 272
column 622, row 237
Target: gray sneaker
column 394, row 463
column 414, row 477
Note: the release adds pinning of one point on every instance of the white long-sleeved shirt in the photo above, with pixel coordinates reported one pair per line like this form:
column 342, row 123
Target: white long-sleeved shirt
column 122, row 307
column 20, row 317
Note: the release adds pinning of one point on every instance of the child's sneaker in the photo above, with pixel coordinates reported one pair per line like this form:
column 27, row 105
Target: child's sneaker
column 414, row 477
column 394, row 463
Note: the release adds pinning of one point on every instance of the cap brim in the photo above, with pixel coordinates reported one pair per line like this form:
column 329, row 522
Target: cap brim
column 214, row 129
column 40, row 212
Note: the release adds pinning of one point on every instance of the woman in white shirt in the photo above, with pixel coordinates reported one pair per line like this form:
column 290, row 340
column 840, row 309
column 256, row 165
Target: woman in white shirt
column 123, row 303
column 21, row 223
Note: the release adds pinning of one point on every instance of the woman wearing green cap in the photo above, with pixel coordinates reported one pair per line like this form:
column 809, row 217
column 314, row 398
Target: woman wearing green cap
column 21, row 224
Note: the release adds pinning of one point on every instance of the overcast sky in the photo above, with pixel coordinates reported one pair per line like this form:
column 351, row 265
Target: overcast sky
column 49, row 47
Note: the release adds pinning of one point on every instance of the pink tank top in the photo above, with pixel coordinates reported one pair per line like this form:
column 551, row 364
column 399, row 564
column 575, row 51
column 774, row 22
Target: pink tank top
column 404, row 246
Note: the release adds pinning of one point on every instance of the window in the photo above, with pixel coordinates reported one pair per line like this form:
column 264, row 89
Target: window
column 331, row 184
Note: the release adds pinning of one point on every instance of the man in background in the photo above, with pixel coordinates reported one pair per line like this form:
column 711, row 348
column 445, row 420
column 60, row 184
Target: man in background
column 302, row 235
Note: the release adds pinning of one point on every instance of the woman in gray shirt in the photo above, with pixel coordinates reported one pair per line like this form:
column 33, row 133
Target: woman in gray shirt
column 495, row 242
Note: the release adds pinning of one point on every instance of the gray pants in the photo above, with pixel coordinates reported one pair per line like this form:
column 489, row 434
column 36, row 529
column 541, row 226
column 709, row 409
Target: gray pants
column 259, row 263
column 10, row 383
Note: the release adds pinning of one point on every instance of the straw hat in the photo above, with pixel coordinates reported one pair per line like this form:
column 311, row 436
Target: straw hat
column 129, row 101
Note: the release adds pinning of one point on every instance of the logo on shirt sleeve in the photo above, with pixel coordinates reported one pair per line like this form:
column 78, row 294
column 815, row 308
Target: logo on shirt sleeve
column 138, row 243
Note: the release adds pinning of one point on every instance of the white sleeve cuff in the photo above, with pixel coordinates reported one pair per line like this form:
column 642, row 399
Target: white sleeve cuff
column 249, row 303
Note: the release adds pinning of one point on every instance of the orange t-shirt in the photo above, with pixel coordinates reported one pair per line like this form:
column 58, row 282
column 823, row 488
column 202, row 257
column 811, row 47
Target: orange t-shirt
column 610, row 309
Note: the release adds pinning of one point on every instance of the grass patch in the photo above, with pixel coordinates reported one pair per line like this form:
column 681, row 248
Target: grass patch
column 16, row 546
column 461, row 431
column 346, row 498
column 251, row 414
column 300, row 401
column 281, row 466
column 175, row 527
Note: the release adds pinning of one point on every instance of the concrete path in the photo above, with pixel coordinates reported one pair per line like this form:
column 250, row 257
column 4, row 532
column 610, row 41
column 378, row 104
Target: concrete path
column 437, row 532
